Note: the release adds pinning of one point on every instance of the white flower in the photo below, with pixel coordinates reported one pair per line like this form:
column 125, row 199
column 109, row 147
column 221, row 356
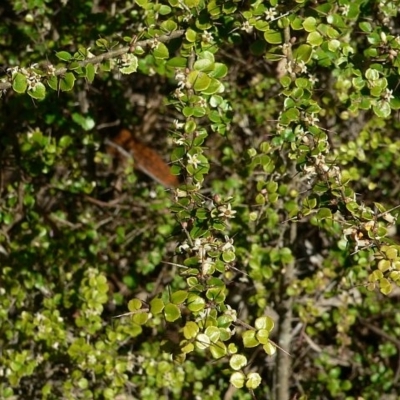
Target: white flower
column 387, row 95
column 345, row 10
column 313, row 79
column 247, row 27
column 207, row 37
column 303, row 67
column 226, row 211
column 228, row 245
column 183, row 247
column 177, row 124
column 270, row 14
column 207, row 265
column 193, row 160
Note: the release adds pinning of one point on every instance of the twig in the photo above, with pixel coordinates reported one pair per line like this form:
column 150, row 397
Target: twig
column 109, row 55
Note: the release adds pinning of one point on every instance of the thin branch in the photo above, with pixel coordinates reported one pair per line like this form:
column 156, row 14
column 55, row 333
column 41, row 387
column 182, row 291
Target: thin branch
column 109, row 55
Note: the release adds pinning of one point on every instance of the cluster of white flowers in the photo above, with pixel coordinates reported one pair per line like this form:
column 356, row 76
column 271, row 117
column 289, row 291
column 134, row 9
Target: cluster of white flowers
column 203, row 246
column 31, row 76
column 295, row 67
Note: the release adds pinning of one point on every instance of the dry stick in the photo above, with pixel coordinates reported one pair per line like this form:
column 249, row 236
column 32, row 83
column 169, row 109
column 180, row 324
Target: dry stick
column 110, row 54
column 285, row 310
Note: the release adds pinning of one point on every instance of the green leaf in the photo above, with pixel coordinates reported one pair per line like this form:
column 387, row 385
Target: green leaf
column 202, row 341
column 130, row 65
column 198, row 80
column 218, row 350
column 303, row 53
column 39, row 92
column 273, row 37
column 161, row 51
column 85, row 122
column 172, row 312
column 204, row 65
column 90, row 72
column 237, row 362
column 156, row 306
column 382, row 109
column 220, row 71
column 20, row 83
column 191, row 3
column 64, row 56
column 310, row 24
column 134, row 305
column 177, row 62
column 179, row 296
column 269, row 348
column 249, row 339
column 253, row 380
column 191, row 35
column 169, row 26
column 264, row 323
column 315, row 38
column 237, row 379
column 67, row 82
column 195, row 303
column 140, row 318
column 190, row 330
column 164, row 10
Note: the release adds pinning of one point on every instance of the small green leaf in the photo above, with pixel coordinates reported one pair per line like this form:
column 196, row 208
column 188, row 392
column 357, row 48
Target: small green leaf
column 273, row 37
column 179, row 296
column 218, row 350
column 192, row 3
column 253, row 380
column 202, row 341
column 63, row 55
column 315, row 38
column 20, row 83
column 310, row 24
column 90, row 72
column 203, row 65
column 134, row 305
column 140, row 318
column 39, row 92
column 237, row 380
column 237, row 362
column 303, row 53
column 382, row 109
column 67, row 82
column 249, row 339
column 198, row 80
column 190, row 330
column 264, row 323
column 220, row 71
column 269, row 348
column 164, row 10
column 156, row 306
column 191, row 35
column 130, row 65
column 195, row 303
column 169, row 26
column 161, row 51
column 177, row 62
column 172, row 312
